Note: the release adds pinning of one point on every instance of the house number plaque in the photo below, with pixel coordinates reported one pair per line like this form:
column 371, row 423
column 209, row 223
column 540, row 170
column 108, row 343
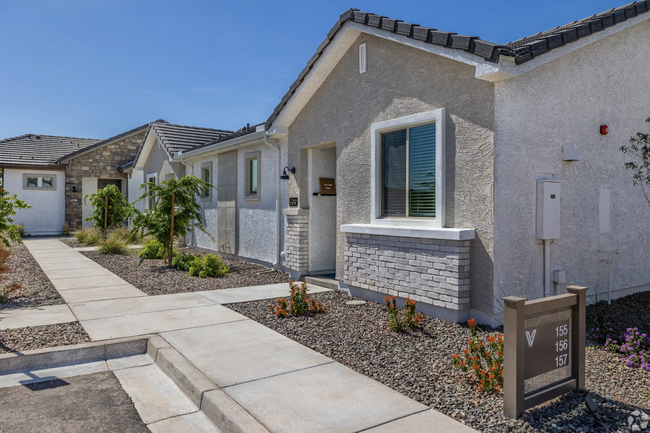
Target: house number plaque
column 547, row 348
column 293, row 201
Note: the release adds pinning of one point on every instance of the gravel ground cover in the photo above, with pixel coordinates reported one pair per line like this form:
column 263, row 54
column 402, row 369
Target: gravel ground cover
column 72, row 242
column 36, row 289
column 39, row 337
column 154, row 278
column 418, row 364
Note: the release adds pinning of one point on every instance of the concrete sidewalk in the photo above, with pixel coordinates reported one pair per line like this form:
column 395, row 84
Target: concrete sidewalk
column 285, row 386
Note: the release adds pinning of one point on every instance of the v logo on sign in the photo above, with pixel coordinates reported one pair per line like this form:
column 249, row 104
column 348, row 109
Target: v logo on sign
column 531, row 337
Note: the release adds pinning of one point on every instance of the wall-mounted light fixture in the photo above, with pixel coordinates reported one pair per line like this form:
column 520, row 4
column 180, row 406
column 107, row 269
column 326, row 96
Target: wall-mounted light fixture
column 74, row 188
column 284, row 175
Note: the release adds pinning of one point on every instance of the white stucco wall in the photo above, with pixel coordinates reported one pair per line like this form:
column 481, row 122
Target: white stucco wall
column 47, row 214
column 257, row 224
column 88, row 187
column 564, row 102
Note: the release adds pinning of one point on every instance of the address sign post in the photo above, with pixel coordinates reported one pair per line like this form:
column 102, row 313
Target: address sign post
column 544, row 342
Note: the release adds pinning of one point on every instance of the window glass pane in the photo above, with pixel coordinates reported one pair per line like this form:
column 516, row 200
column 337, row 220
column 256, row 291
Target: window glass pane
column 206, row 178
column 32, row 182
column 394, row 174
column 422, row 171
column 252, row 176
column 48, row 182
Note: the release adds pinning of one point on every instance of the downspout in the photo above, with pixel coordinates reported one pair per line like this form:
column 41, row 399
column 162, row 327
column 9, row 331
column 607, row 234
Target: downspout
column 547, row 268
column 280, row 228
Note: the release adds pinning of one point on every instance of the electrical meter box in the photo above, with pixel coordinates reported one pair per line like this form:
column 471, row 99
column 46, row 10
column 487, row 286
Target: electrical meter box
column 548, row 209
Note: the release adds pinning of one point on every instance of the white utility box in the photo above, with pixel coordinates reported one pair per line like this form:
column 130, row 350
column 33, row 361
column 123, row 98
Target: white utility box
column 548, row 209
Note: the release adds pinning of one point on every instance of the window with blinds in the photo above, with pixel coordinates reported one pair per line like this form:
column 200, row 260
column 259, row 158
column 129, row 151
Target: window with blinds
column 409, row 172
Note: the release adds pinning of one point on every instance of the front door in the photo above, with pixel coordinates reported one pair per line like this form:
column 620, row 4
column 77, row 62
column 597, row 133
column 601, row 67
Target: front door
column 103, row 183
column 227, row 202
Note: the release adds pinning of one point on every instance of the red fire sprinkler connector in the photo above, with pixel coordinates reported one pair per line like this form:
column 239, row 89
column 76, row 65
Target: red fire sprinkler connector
column 604, row 129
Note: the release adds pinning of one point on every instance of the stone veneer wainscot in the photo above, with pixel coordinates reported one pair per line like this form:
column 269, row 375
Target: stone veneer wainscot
column 433, row 272
column 297, row 242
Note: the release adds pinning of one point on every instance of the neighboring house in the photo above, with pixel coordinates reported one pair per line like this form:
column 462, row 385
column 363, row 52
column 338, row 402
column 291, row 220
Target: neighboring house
column 437, row 141
column 94, row 167
column 155, row 162
column 31, row 168
column 242, row 214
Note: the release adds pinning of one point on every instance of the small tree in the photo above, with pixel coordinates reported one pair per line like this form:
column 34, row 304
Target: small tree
column 8, row 205
column 110, row 207
column 639, row 147
column 157, row 222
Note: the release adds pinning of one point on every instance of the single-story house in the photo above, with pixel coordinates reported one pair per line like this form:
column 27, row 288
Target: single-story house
column 243, row 214
column 465, row 170
column 54, row 174
column 154, row 160
column 32, row 169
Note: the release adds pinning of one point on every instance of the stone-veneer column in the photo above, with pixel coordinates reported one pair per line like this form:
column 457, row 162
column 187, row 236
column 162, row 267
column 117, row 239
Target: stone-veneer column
column 429, row 271
column 296, row 244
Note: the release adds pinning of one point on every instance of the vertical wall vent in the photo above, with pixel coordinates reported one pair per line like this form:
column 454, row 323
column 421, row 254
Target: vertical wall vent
column 362, row 58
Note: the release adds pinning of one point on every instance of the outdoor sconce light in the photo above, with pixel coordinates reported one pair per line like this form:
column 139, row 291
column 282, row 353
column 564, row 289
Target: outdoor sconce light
column 284, row 175
column 74, row 188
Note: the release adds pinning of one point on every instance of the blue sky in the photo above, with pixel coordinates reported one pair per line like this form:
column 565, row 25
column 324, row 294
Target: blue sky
column 96, row 68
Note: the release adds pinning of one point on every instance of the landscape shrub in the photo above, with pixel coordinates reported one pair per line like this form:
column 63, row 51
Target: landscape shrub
column 66, row 229
column 184, row 261
column 153, row 250
column 8, row 206
column 88, row 237
column 411, row 319
column 208, row 266
column 631, row 343
column 113, row 245
column 299, row 304
column 483, row 359
column 110, row 207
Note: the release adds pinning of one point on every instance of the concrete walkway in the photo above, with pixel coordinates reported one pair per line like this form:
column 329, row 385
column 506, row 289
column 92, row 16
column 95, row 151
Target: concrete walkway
column 285, row 386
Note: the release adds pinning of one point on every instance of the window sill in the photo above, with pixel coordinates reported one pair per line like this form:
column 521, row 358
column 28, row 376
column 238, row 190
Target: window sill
column 252, row 198
column 423, row 231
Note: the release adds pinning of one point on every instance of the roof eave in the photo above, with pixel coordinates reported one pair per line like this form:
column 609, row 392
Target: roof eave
column 218, row 147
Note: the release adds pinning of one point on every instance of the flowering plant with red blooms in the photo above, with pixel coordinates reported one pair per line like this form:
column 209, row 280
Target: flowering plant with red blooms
column 483, row 359
column 299, row 304
column 411, row 318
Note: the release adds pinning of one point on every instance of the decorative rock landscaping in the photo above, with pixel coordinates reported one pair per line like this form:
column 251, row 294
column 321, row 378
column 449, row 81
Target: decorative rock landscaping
column 36, row 289
column 40, row 337
column 154, row 278
column 418, row 364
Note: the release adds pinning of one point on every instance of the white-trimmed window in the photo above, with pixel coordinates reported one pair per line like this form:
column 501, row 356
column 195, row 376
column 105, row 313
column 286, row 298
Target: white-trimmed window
column 408, row 169
column 45, row 182
column 151, row 178
column 253, row 176
column 206, row 176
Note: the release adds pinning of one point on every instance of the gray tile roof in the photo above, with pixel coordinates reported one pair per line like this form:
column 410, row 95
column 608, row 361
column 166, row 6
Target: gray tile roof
column 178, row 137
column 102, row 143
column 244, row 130
column 39, row 150
column 522, row 50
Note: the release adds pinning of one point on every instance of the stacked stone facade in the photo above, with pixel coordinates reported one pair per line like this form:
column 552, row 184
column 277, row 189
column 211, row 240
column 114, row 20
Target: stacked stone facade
column 297, row 243
column 101, row 163
column 429, row 271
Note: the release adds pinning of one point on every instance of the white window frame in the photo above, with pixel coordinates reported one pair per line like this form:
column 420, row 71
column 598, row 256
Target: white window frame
column 208, row 165
column 376, row 130
column 247, row 158
column 149, row 176
column 39, row 181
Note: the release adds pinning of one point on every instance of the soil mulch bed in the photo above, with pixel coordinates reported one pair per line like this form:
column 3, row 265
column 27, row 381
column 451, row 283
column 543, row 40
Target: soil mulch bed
column 36, row 290
column 39, row 337
column 154, row 278
column 418, row 364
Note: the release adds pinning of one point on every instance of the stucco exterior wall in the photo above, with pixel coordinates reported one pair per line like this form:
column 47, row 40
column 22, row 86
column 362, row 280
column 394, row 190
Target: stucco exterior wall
column 564, row 102
column 401, row 81
column 100, row 163
column 256, row 219
column 158, row 162
column 47, row 212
